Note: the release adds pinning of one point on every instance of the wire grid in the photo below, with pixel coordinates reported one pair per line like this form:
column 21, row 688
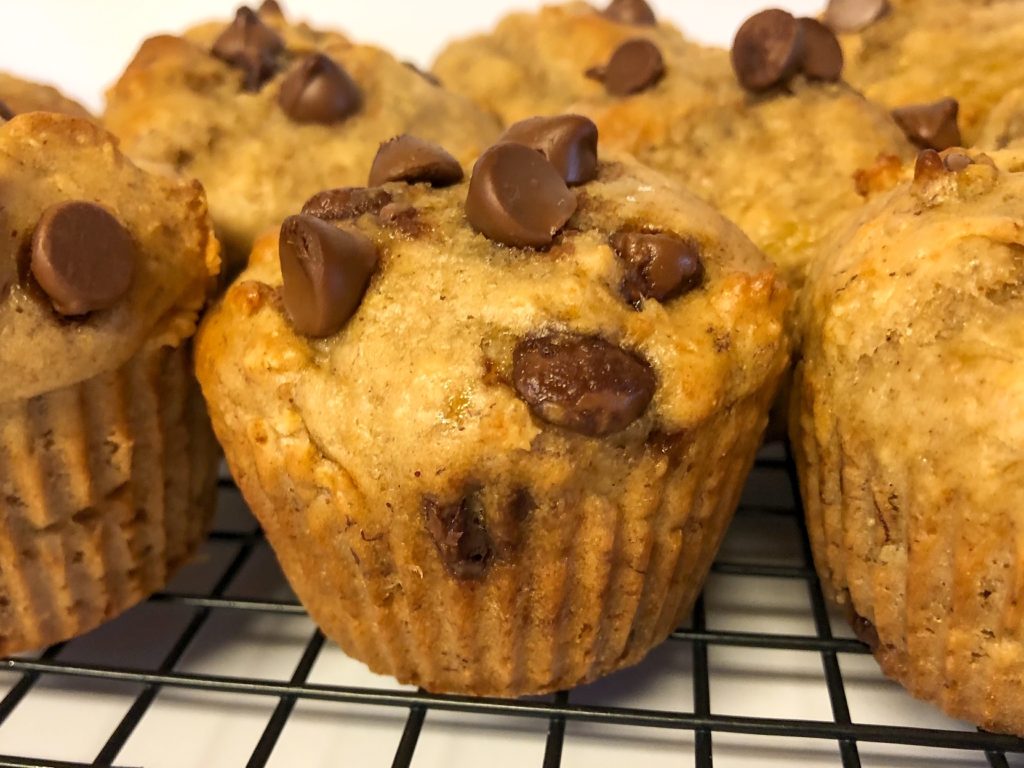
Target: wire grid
column 558, row 710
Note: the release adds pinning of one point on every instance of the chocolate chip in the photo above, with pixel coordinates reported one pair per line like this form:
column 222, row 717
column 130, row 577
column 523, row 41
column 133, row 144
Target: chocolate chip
column 5, row 111
column 931, row 126
column 823, row 55
column 460, row 534
column 516, row 197
column 317, row 90
column 581, row 383
column 635, row 12
column 956, row 162
column 271, row 8
column 929, row 166
column 346, row 203
column 403, row 217
column 635, row 66
column 249, row 45
column 657, row 266
column 854, row 15
column 569, row 142
column 82, row 257
column 326, row 271
column 768, row 50
column 430, row 77
column 412, row 160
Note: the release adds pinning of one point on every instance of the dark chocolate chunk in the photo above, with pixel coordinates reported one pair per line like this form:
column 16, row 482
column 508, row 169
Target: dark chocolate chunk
column 854, row 15
column 823, row 55
column 460, row 534
column 768, row 50
column 346, row 203
column 635, row 12
column 581, row 383
column 249, row 45
column 326, row 271
column 516, row 197
column 657, row 266
column 635, row 66
column 5, row 111
column 82, row 257
column 318, row 90
column 931, row 126
column 569, row 142
column 413, row 160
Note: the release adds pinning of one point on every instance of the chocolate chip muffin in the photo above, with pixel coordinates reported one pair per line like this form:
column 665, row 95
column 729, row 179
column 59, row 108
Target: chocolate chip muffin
column 17, row 96
column 495, row 429
column 636, row 77
column 907, row 52
column 908, row 430
column 265, row 113
column 766, row 133
column 107, row 461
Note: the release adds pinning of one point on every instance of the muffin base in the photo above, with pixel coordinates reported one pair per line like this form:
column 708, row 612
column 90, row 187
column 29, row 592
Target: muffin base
column 106, row 488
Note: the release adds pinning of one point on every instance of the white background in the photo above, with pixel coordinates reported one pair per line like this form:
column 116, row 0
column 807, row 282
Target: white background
column 82, row 45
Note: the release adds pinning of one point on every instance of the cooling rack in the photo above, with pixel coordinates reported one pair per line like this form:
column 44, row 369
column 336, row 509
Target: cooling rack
column 225, row 668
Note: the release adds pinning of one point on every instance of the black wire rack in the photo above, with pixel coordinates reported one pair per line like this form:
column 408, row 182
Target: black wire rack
column 558, row 710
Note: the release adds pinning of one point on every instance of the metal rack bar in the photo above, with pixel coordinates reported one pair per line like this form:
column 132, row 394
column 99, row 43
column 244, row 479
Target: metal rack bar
column 410, row 737
column 702, row 747
column 556, row 735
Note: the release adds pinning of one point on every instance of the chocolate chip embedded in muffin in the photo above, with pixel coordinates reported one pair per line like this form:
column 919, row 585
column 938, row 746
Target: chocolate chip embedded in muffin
column 6, row 112
column 635, row 66
column 459, row 532
column 657, row 266
column 767, row 50
column 82, row 257
column 325, row 272
column 635, row 12
column 516, row 197
column 249, row 45
column 823, row 55
column 854, row 15
column 317, row 90
column 582, row 383
column 931, row 126
column 346, row 203
column 413, row 160
column 569, row 142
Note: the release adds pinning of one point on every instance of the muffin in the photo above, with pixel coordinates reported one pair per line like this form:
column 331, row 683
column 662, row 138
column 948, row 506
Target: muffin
column 495, row 438
column 17, row 96
column 765, row 132
column 921, row 51
column 1004, row 126
column 107, row 461
column 908, row 427
column 266, row 113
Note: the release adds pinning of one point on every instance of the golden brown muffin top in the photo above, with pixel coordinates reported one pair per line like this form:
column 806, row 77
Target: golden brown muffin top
column 562, row 58
column 466, row 354
column 265, row 113
column 921, row 51
column 17, row 96
column 97, row 259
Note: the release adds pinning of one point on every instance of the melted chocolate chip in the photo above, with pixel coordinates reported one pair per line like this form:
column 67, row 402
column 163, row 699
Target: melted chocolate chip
column 82, row 257
column 931, row 126
column 346, row 203
column 6, row 112
column 635, row 66
column 412, row 160
column 317, row 90
column 460, row 534
column 569, row 142
column 581, row 383
column 249, row 45
column 657, row 266
column 823, row 55
column 403, row 217
column 635, row 12
column 430, row 77
column 326, row 271
column 854, row 15
column 929, row 166
column 516, row 197
column 768, row 50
